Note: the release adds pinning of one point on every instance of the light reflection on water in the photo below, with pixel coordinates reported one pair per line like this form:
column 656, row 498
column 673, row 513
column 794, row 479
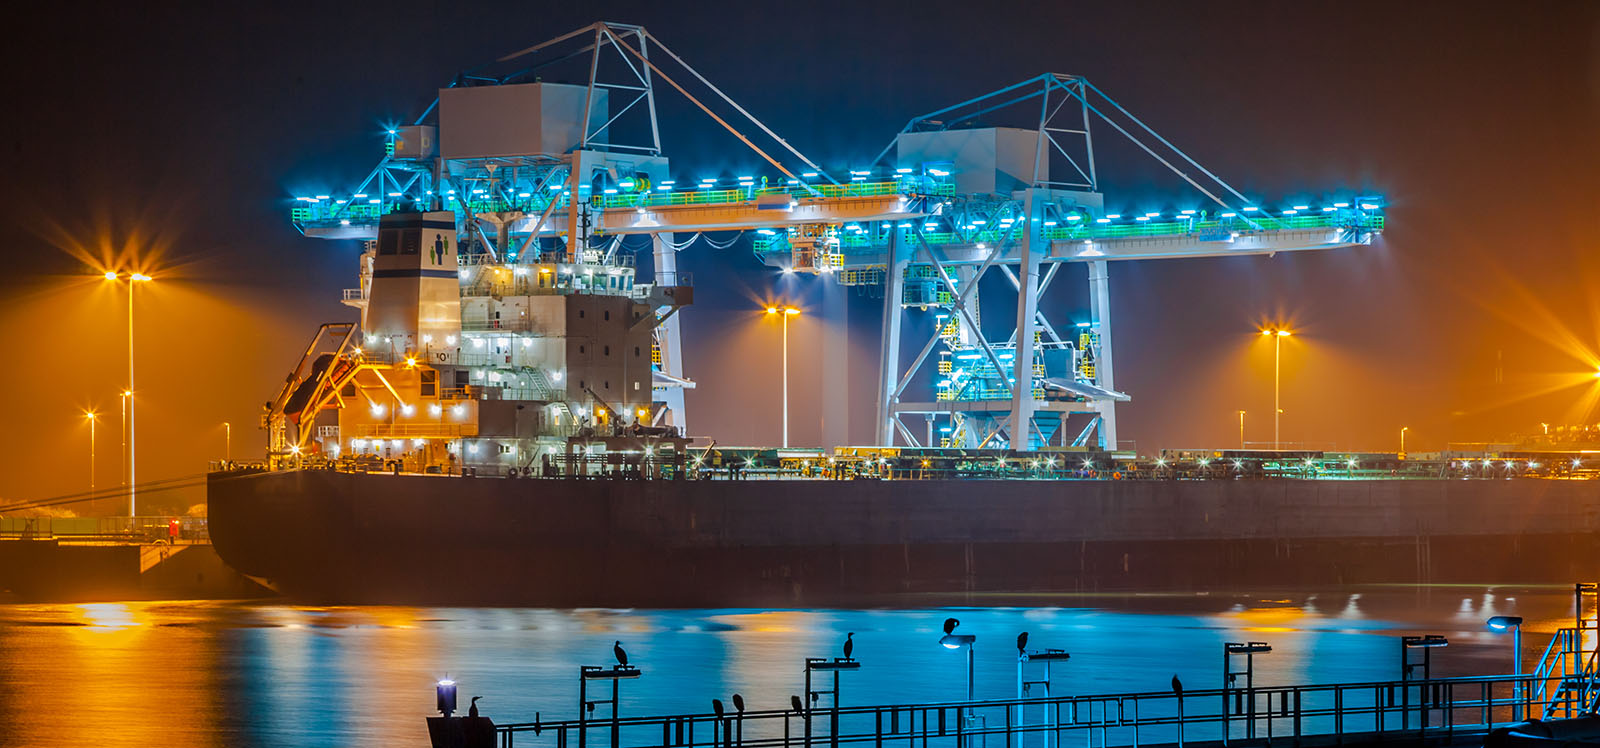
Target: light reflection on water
column 211, row 673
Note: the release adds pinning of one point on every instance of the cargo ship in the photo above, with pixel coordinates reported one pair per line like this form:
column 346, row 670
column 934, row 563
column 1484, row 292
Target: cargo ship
column 504, row 423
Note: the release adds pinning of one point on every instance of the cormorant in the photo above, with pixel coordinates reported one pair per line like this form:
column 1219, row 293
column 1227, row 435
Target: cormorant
column 716, row 707
column 950, row 625
column 473, row 712
column 622, row 654
column 849, row 644
column 1177, row 685
column 794, row 703
column 1022, row 643
column 738, row 703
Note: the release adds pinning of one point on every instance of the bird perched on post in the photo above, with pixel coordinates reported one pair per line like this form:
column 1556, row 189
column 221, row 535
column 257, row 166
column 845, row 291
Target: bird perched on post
column 1177, row 685
column 622, row 654
column 1022, row 643
column 794, row 703
column 950, row 625
column 738, row 702
column 473, row 711
column 716, row 707
column 849, row 644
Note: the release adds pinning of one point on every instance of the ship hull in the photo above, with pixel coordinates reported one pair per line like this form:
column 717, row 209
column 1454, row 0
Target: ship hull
column 324, row 536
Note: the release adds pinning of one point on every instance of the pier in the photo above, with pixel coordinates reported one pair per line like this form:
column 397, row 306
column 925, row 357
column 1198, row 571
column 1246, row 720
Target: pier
column 1413, row 708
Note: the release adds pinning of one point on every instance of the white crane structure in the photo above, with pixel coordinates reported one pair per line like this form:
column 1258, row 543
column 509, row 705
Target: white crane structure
column 534, row 169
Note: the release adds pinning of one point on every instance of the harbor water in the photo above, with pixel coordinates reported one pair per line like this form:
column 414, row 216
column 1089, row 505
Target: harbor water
column 175, row 674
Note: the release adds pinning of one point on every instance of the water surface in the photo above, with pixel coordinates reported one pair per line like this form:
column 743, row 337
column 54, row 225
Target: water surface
column 267, row 674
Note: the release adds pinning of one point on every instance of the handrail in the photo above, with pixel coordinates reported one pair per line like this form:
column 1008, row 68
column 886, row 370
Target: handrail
column 1438, row 706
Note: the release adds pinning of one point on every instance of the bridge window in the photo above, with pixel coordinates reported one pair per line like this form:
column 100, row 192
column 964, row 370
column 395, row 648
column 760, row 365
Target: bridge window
column 388, row 242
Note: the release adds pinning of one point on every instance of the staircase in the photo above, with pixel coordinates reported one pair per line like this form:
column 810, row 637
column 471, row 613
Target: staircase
column 1566, row 681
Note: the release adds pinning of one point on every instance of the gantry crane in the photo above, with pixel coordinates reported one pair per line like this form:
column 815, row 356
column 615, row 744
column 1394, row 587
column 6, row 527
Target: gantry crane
column 959, row 197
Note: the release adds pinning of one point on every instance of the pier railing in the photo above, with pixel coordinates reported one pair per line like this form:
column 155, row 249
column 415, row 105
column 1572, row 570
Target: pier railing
column 1441, row 707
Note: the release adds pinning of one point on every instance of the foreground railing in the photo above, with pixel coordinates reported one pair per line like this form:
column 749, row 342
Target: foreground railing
column 1439, row 707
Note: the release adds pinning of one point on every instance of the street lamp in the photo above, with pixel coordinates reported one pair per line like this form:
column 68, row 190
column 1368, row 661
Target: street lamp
column 1403, row 431
column 786, row 312
column 1501, row 624
column 1241, row 429
column 227, row 441
column 956, row 641
column 1277, row 334
column 92, row 417
column 133, row 461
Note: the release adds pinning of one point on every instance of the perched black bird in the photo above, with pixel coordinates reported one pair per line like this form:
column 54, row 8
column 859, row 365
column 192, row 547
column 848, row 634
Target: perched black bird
column 1022, row 643
column 1177, row 686
column 738, row 702
column 622, row 654
column 794, row 703
column 849, row 644
column 950, row 625
column 473, row 712
column 716, row 707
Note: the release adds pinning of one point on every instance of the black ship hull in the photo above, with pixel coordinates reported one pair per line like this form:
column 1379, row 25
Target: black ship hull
column 324, row 536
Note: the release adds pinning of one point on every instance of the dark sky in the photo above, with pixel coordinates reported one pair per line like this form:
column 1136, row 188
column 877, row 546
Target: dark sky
column 172, row 138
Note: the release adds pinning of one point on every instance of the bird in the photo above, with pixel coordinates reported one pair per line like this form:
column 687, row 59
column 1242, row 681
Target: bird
column 950, row 625
column 794, row 703
column 622, row 654
column 716, row 707
column 473, row 712
column 738, row 702
column 849, row 644
column 1177, row 685
column 1022, row 643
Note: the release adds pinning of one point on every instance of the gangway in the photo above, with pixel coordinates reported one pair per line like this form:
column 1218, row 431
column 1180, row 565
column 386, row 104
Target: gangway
column 1566, row 679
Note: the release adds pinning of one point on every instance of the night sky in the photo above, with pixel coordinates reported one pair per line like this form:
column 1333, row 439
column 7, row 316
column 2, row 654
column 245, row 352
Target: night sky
column 171, row 141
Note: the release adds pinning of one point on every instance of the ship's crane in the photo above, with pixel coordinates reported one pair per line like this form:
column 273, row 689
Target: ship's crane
column 959, row 198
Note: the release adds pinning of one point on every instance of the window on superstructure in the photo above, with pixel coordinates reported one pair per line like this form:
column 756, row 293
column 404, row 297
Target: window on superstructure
column 608, row 350
column 408, row 242
column 608, row 315
column 430, row 383
column 388, row 242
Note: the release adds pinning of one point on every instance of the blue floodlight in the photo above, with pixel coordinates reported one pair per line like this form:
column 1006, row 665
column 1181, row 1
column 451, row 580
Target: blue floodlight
column 1302, row 207
column 1250, row 208
column 809, row 175
column 902, row 171
column 1102, row 220
column 1187, row 212
column 1341, row 205
column 669, row 181
column 1291, row 212
column 1113, row 215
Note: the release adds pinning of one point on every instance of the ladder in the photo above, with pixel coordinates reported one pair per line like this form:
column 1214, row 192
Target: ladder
column 1566, row 680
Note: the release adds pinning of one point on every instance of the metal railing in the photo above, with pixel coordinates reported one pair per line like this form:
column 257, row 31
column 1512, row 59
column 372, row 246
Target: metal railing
column 1431, row 708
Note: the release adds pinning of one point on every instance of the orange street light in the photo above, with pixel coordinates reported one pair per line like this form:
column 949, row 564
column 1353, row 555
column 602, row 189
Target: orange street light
column 788, row 311
column 92, row 417
column 1277, row 334
column 132, row 455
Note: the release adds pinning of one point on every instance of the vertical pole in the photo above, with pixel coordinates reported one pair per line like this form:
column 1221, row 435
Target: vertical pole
column 786, row 377
column 227, row 441
column 123, row 475
column 91, row 454
column 133, row 454
column 1241, row 429
column 616, row 727
column 1027, row 322
column 1277, row 410
column 583, row 709
column 1516, row 672
column 836, row 357
column 1100, row 313
column 833, row 713
column 969, row 672
column 889, row 355
column 670, row 335
column 805, row 716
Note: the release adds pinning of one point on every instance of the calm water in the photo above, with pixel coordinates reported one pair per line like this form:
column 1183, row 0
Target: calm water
column 243, row 674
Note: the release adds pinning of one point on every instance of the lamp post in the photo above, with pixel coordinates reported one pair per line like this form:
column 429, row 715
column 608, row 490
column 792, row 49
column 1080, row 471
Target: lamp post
column 1403, row 431
column 1277, row 334
column 227, row 441
column 123, row 396
column 92, row 417
column 1501, row 624
column 1241, row 429
column 133, row 455
column 957, row 641
column 786, row 312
